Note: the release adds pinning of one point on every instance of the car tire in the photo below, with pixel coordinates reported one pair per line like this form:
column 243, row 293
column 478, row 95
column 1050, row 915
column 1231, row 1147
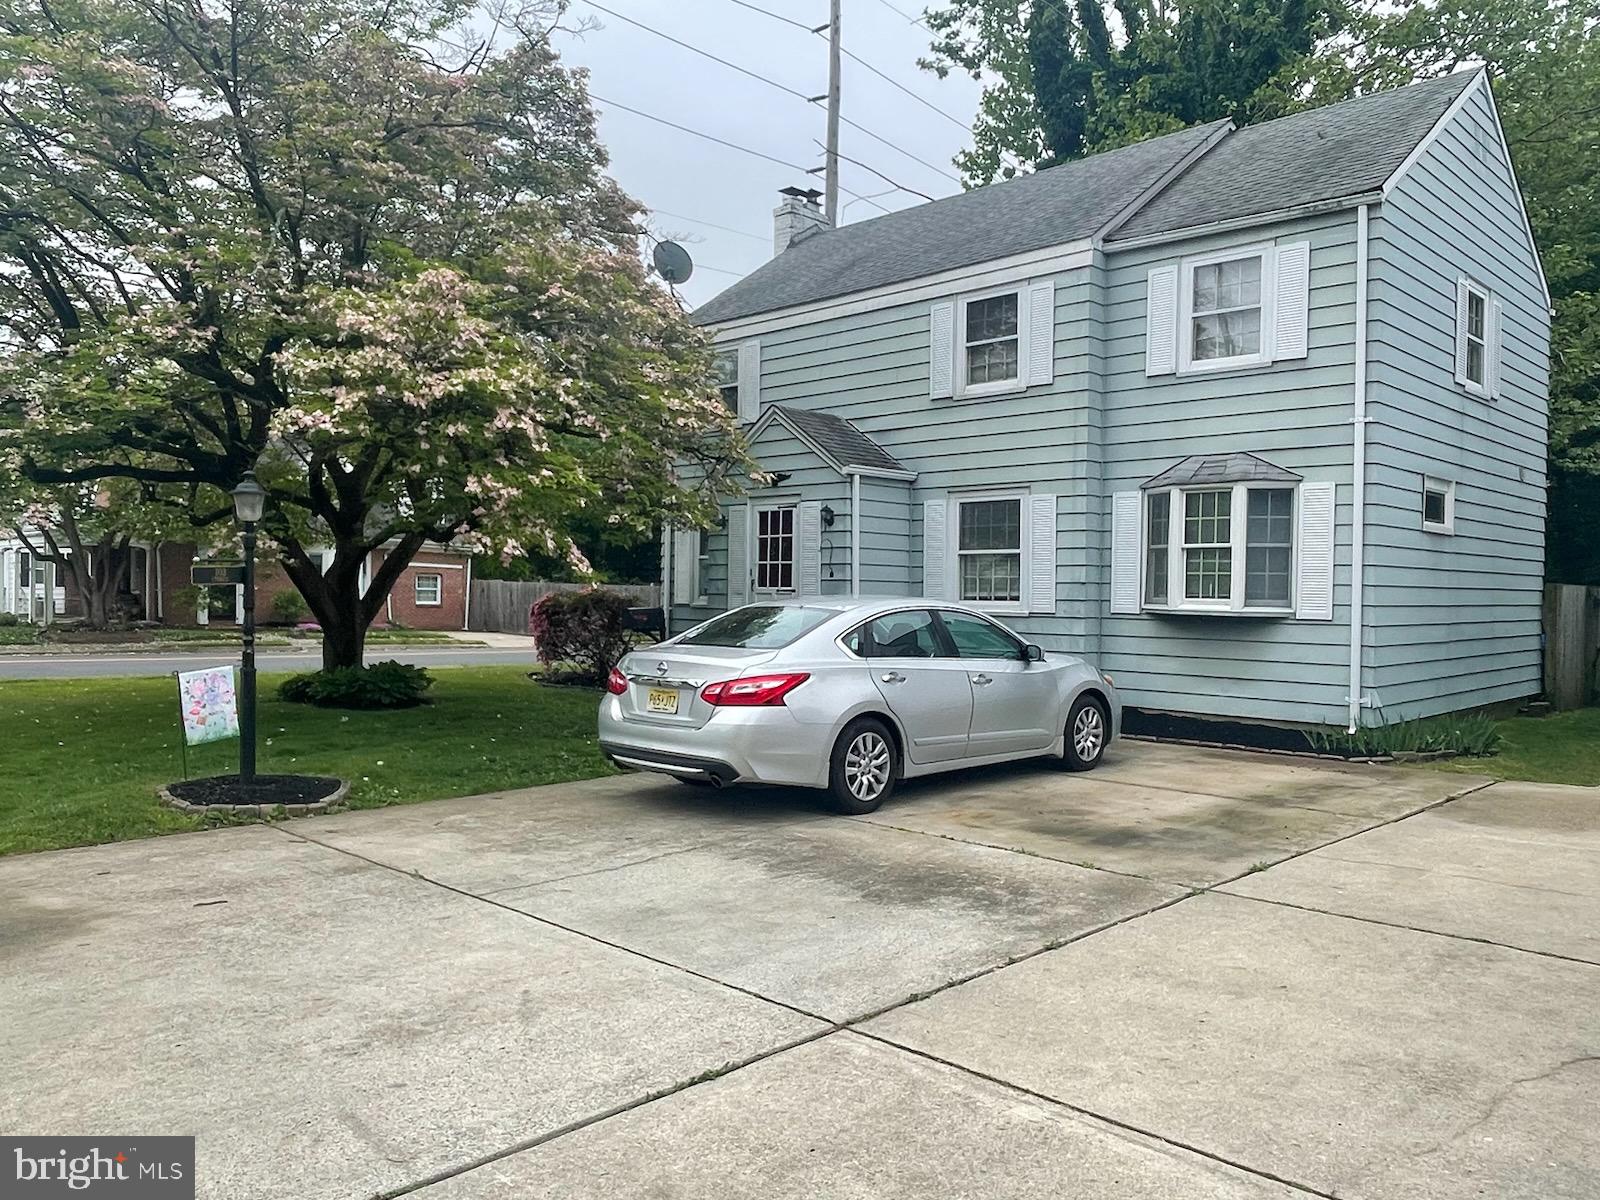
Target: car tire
column 1087, row 731
column 864, row 767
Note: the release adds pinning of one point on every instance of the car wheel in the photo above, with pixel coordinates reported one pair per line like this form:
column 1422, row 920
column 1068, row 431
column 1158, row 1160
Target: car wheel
column 1087, row 733
column 864, row 766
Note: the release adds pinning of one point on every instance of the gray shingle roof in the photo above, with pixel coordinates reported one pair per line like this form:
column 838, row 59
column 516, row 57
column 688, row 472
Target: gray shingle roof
column 838, row 439
column 1048, row 208
column 1327, row 153
column 1237, row 467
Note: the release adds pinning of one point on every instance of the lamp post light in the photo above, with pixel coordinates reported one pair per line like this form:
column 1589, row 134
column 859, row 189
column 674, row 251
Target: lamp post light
column 249, row 501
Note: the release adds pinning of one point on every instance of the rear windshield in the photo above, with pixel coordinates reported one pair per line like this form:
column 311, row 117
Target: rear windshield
column 758, row 626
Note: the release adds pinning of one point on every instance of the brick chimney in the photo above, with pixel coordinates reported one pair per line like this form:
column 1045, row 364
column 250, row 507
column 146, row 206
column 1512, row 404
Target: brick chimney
column 797, row 216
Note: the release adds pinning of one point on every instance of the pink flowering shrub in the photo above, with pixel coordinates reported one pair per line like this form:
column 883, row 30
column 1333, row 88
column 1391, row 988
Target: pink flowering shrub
column 580, row 634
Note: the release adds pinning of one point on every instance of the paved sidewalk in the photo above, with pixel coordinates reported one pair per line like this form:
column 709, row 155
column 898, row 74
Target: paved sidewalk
column 1193, row 974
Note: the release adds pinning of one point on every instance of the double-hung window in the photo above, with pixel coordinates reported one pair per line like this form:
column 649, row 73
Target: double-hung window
column 727, row 371
column 991, row 343
column 430, row 590
column 1228, row 549
column 1226, row 315
column 1472, row 337
column 775, row 549
column 989, row 550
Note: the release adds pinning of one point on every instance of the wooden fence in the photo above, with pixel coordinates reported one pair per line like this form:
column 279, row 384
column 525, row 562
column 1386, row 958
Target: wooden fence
column 1571, row 644
column 501, row 605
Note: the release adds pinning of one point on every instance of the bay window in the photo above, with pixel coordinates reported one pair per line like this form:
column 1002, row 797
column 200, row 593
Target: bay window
column 1233, row 549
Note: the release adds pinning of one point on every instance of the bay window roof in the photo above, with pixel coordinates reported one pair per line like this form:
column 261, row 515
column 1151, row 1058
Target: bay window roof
column 1198, row 470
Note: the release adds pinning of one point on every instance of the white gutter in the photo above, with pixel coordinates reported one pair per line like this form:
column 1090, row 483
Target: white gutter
column 855, row 534
column 1230, row 224
column 1358, row 472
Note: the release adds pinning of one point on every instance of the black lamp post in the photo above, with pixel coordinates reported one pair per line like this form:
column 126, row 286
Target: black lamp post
column 249, row 501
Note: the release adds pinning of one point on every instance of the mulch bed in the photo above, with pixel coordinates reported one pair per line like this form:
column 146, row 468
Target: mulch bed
column 1244, row 735
column 225, row 793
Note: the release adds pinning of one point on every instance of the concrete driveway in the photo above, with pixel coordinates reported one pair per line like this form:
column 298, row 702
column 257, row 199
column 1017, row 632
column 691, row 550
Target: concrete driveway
column 1191, row 974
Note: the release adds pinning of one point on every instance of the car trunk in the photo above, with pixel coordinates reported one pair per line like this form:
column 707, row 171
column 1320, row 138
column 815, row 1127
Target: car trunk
column 664, row 683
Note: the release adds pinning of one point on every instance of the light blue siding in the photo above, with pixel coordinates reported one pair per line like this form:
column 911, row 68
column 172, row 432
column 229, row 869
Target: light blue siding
column 1453, row 621
column 1295, row 414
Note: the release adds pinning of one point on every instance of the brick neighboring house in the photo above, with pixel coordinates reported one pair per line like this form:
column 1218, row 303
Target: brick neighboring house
column 433, row 592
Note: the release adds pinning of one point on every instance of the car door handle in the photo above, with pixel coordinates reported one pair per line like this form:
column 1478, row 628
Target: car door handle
column 893, row 677
column 982, row 680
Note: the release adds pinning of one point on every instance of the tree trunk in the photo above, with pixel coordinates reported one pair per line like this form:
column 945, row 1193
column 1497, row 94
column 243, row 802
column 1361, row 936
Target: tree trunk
column 335, row 597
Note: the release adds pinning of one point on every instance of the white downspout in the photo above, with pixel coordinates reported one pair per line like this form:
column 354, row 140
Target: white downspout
column 855, row 534
column 1358, row 472
column 466, row 600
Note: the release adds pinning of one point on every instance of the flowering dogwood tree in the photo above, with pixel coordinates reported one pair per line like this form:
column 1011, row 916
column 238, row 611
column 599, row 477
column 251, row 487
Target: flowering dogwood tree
column 365, row 248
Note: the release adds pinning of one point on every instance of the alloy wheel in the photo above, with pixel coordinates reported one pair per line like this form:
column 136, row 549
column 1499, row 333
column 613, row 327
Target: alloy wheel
column 866, row 765
column 1089, row 733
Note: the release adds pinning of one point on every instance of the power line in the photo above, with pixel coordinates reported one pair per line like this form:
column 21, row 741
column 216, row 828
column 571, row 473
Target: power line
column 900, row 12
column 770, row 83
column 661, row 212
column 724, row 142
column 703, row 53
column 892, row 183
column 854, row 57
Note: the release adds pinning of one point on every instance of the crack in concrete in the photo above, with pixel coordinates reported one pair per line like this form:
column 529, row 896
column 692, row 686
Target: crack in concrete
column 1499, row 1099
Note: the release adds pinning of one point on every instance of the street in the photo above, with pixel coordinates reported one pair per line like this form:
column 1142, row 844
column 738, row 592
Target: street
column 83, row 666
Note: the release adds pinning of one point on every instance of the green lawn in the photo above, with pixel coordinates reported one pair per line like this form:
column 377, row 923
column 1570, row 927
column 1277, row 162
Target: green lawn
column 1564, row 748
column 80, row 759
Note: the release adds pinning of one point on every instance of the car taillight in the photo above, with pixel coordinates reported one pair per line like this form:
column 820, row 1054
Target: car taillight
column 753, row 690
column 616, row 682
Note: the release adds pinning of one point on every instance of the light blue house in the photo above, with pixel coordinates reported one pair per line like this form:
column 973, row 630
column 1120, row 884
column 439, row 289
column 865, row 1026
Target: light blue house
column 1253, row 418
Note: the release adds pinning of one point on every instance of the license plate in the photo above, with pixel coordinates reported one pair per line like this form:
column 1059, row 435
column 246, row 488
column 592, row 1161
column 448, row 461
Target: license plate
column 661, row 700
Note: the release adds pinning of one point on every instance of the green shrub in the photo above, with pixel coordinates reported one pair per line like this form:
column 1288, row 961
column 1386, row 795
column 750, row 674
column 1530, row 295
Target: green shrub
column 1472, row 734
column 8, row 619
column 387, row 684
column 289, row 608
column 189, row 600
column 581, row 632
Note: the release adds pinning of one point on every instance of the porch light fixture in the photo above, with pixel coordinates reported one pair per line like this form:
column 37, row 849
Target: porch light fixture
column 827, row 516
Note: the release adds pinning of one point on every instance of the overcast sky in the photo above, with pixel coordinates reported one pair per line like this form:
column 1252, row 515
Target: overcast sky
column 692, row 185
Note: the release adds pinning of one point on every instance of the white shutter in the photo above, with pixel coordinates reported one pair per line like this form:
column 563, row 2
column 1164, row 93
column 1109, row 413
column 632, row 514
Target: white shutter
column 1126, row 551
column 808, row 548
column 935, row 551
column 1293, row 307
column 749, row 381
column 1042, row 333
column 1461, row 331
column 685, row 565
column 1314, row 541
column 941, row 350
column 1042, row 555
column 1492, row 345
column 1161, row 322
column 738, row 555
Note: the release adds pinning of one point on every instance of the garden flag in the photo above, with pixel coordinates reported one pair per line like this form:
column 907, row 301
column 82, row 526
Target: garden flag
column 210, row 708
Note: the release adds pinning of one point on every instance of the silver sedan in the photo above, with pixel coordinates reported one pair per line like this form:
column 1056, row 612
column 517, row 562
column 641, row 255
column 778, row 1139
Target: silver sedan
column 851, row 696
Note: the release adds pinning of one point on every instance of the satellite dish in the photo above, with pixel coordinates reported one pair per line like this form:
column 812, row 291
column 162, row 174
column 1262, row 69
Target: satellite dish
column 673, row 262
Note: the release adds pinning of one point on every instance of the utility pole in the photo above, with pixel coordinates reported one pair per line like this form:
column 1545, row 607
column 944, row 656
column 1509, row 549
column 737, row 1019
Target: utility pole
column 830, row 202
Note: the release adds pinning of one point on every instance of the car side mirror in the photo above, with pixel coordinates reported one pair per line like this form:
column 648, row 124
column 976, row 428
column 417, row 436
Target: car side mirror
column 1032, row 653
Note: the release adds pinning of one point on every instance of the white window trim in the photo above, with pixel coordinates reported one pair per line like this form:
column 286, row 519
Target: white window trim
column 1479, row 388
column 1239, row 519
column 794, row 548
column 438, row 579
column 955, row 500
column 963, row 389
column 1431, row 483
column 1187, row 364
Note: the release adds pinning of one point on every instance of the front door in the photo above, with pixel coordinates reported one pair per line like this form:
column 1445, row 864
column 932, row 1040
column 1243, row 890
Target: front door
column 774, row 550
column 1013, row 700
column 925, row 687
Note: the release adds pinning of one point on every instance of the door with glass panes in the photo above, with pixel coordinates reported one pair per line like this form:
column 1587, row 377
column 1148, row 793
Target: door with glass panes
column 773, row 557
